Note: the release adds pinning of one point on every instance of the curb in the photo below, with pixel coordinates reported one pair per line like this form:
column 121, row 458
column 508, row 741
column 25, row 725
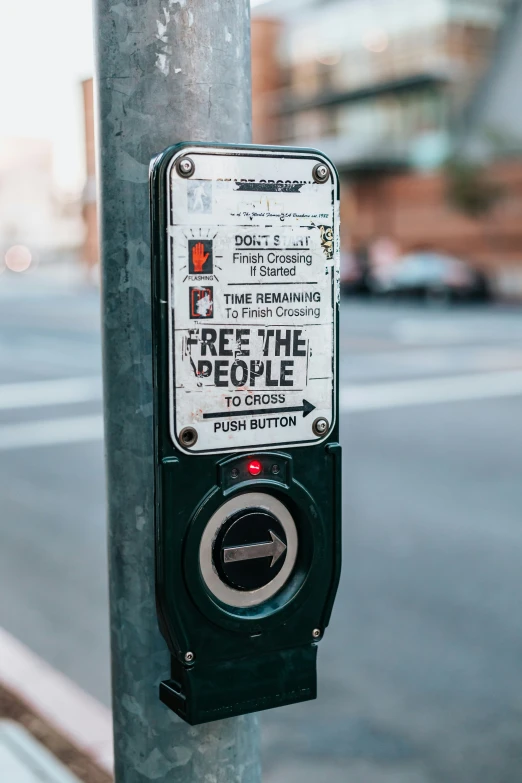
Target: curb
column 78, row 716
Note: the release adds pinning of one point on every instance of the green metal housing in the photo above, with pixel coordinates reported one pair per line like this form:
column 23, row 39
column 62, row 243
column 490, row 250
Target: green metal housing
column 244, row 660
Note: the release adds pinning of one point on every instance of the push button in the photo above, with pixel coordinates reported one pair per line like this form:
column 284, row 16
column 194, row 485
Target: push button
column 250, row 549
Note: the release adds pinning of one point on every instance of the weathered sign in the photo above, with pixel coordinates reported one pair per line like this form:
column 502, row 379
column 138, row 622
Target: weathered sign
column 253, row 266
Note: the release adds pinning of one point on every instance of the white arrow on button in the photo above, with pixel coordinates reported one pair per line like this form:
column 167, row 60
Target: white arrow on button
column 273, row 549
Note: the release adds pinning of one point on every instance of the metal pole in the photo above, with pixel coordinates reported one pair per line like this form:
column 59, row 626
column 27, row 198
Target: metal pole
column 168, row 70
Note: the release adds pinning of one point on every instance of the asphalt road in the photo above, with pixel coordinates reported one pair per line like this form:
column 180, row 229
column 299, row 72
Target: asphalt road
column 421, row 669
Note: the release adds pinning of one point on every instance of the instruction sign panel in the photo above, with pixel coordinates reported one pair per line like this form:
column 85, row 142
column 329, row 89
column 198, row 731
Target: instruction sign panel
column 254, row 286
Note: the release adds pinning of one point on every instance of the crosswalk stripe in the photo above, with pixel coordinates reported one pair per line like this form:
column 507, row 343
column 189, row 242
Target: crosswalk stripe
column 51, row 432
column 429, row 391
column 369, row 397
column 62, row 391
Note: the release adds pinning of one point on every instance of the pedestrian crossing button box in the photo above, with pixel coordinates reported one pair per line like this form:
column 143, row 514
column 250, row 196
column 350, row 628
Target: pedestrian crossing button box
column 247, row 462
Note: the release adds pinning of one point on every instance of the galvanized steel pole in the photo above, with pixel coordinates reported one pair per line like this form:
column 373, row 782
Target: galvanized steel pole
column 167, row 70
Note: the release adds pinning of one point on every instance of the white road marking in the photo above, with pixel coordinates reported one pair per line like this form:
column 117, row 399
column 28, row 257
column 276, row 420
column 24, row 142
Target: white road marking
column 448, row 331
column 63, row 391
column 429, row 391
column 51, row 432
column 375, row 396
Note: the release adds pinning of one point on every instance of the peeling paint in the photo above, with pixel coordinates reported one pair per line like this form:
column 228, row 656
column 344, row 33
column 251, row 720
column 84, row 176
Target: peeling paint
column 228, row 35
column 162, row 27
column 162, row 64
column 132, row 705
column 145, row 411
column 141, row 521
column 337, row 245
column 183, row 755
column 155, row 766
column 131, row 169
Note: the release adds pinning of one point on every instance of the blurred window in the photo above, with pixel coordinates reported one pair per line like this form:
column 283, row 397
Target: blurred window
column 346, row 44
column 399, row 117
column 311, row 124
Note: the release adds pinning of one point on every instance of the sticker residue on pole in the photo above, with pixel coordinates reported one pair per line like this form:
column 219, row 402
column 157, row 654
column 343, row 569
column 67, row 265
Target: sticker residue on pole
column 253, row 265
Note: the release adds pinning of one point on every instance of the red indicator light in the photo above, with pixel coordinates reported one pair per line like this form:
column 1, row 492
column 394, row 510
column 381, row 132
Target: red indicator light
column 255, row 467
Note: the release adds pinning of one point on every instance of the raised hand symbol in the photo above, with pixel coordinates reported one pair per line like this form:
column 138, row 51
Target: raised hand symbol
column 199, row 257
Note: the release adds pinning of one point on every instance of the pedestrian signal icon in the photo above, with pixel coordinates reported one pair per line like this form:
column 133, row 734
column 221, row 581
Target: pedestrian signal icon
column 200, row 257
column 201, row 302
column 199, row 196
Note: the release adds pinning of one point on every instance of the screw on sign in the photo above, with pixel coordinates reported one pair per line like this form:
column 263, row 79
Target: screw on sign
column 185, row 167
column 320, row 426
column 321, row 173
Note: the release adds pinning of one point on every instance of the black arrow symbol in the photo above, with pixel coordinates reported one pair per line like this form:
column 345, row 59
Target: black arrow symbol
column 306, row 408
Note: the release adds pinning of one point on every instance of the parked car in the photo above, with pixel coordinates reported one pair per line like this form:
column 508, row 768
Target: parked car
column 355, row 272
column 433, row 276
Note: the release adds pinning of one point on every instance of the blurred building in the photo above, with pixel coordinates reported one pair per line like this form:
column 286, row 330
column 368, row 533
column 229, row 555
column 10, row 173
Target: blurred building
column 266, row 82
column 33, row 213
column 378, row 81
column 267, row 77
column 386, row 88
column 494, row 115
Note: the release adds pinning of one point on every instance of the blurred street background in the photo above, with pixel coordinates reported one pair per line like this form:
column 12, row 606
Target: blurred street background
column 419, row 672
column 420, row 108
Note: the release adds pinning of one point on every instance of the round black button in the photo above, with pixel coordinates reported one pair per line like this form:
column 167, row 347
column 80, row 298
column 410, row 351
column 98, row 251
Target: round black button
column 250, row 549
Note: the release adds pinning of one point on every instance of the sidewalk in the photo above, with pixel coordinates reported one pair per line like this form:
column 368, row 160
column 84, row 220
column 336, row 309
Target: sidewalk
column 50, row 730
column 24, row 760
